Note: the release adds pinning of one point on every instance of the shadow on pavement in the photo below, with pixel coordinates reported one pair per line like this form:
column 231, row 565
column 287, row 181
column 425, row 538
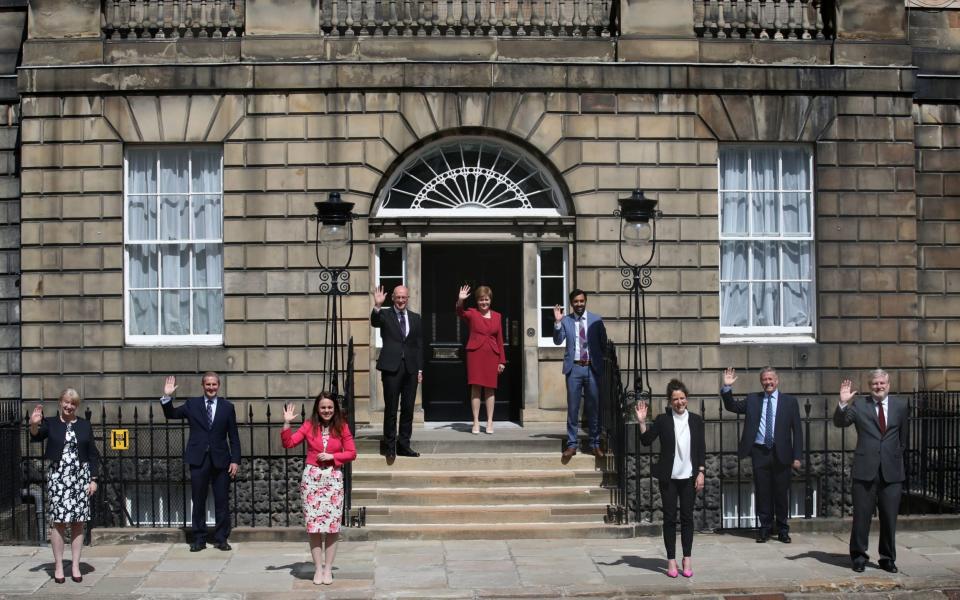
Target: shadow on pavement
column 827, row 558
column 299, row 570
column 655, row 565
column 85, row 568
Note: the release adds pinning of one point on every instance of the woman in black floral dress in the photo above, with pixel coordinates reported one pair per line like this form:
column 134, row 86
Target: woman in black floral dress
column 71, row 476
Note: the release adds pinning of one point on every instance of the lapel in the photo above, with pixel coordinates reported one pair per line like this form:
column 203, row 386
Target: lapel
column 870, row 414
column 779, row 411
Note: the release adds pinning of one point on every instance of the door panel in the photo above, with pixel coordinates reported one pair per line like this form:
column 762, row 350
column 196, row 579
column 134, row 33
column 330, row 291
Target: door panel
column 446, row 395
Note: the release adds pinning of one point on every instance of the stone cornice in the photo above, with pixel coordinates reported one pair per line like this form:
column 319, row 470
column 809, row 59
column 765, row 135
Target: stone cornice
column 261, row 77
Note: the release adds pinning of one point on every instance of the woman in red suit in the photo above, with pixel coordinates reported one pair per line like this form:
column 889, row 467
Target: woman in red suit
column 485, row 353
column 329, row 446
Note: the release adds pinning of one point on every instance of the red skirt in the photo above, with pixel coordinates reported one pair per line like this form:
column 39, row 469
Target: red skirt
column 482, row 366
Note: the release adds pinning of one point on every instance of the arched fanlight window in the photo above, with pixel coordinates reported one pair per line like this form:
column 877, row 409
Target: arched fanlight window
column 471, row 177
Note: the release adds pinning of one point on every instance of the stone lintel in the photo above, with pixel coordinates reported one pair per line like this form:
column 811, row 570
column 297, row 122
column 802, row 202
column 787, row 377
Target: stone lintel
column 873, row 53
column 480, row 75
column 633, row 48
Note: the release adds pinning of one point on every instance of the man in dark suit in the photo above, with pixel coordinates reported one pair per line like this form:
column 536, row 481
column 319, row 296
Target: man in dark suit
column 401, row 368
column 878, row 473
column 213, row 453
column 585, row 336
column 773, row 439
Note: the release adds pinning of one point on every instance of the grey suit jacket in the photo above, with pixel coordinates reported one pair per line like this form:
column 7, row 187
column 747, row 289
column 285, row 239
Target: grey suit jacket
column 875, row 453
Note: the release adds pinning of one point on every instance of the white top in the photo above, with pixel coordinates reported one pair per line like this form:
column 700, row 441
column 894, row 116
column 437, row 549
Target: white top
column 682, row 467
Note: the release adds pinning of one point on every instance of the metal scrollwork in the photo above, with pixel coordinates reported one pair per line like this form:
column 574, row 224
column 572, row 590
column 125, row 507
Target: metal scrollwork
column 334, row 281
column 636, row 277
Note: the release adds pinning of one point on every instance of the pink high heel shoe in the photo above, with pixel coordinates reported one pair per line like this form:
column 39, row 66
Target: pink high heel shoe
column 672, row 572
column 687, row 572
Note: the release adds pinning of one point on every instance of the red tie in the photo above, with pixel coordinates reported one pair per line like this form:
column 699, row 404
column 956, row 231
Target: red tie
column 881, row 418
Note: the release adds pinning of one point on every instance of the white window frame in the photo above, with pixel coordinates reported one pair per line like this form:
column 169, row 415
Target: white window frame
column 545, row 338
column 376, row 275
column 167, row 339
column 769, row 334
column 164, row 511
column 732, row 492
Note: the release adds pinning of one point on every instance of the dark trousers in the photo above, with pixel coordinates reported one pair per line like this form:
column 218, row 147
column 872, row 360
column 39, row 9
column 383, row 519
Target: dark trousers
column 771, row 486
column 399, row 388
column 670, row 491
column 202, row 477
column 885, row 497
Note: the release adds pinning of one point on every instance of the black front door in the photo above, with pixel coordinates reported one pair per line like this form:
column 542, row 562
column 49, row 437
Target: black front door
column 446, row 395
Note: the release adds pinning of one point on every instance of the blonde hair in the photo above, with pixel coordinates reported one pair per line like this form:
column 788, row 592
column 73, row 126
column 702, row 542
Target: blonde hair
column 72, row 395
column 483, row 291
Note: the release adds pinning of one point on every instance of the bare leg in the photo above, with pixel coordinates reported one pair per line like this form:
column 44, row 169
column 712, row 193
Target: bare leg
column 76, row 545
column 56, row 542
column 475, row 405
column 316, row 551
column 330, row 554
column 672, row 566
column 488, row 398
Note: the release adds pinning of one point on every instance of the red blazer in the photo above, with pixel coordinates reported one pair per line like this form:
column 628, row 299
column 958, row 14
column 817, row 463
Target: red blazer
column 342, row 448
column 484, row 332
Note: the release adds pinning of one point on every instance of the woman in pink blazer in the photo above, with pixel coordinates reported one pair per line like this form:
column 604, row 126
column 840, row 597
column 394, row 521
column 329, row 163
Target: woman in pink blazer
column 329, row 447
column 486, row 358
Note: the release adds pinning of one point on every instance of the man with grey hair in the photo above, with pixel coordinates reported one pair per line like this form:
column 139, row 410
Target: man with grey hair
column 773, row 439
column 878, row 473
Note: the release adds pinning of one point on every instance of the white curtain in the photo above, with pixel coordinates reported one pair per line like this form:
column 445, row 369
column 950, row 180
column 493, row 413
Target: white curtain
column 169, row 212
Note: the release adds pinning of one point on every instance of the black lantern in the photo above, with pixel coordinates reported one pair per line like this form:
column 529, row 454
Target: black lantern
column 334, row 232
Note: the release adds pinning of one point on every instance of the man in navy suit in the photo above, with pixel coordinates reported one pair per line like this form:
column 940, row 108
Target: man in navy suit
column 401, row 368
column 213, row 461
column 773, row 439
column 878, row 473
column 586, row 338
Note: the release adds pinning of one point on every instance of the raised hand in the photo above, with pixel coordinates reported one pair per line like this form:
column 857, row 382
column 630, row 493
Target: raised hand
column 37, row 415
column 289, row 412
column 641, row 409
column 847, row 393
column 169, row 386
column 464, row 293
column 557, row 313
column 729, row 376
column 379, row 296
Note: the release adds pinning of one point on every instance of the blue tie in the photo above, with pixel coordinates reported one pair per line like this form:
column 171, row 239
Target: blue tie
column 209, row 412
column 768, row 431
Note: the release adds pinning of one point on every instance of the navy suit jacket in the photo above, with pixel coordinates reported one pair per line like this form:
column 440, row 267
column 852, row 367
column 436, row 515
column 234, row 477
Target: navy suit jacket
column 596, row 342
column 206, row 438
column 787, row 427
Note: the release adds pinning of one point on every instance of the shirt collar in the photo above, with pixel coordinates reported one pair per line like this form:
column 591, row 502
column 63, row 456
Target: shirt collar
column 775, row 395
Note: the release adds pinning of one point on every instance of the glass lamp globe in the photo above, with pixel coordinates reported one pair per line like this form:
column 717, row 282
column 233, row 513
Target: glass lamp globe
column 637, row 233
column 334, row 235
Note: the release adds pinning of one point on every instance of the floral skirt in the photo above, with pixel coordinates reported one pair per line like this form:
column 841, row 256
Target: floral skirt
column 67, row 499
column 322, row 493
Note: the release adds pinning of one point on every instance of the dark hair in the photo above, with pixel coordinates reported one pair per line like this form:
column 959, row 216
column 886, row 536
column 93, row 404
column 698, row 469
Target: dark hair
column 673, row 386
column 577, row 292
column 338, row 419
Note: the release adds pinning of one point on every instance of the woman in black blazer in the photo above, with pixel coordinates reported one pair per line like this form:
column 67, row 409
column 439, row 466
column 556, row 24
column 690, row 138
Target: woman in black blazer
column 71, row 476
column 680, row 469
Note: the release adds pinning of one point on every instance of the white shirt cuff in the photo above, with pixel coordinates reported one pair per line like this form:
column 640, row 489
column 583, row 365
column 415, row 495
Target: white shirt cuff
column 165, row 399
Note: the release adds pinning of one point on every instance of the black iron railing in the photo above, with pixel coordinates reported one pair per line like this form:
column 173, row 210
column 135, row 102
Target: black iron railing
column 148, row 484
column 819, row 489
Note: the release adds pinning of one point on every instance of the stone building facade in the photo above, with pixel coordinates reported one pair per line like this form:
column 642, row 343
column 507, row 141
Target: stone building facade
column 594, row 99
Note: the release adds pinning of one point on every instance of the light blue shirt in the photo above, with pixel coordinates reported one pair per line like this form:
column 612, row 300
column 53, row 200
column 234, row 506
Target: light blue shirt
column 213, row 409
column 763, row 416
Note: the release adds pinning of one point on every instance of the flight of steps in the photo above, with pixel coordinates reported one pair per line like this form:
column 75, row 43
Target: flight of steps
column 510, row 485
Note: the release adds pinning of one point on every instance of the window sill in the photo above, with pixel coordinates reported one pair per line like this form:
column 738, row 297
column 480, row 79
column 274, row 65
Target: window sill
column 768, row 339
column 174, row 342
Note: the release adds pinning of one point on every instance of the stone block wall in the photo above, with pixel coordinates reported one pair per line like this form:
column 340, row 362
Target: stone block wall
column 938, row 245
column 285, row 150
column 9, row 252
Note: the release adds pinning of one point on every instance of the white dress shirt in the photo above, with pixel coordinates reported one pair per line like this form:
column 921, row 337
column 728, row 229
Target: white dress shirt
column 682, row 466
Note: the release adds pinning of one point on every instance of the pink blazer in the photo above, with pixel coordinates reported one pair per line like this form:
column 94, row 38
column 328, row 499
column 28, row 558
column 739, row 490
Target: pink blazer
column 342, row 448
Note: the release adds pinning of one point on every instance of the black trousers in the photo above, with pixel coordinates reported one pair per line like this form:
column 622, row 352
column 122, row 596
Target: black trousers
column 203, row 477
column 771, row 486
column 670, row 491
column 399, row 389
column 867, row 496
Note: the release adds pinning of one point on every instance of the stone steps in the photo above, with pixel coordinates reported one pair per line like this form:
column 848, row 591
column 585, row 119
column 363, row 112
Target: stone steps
column 473, row 463
column 489, row 531
column 502, row 496
column 486, row 513
column 386, row 480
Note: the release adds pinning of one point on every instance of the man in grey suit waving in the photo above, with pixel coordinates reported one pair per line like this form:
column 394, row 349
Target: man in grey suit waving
column 878, row 472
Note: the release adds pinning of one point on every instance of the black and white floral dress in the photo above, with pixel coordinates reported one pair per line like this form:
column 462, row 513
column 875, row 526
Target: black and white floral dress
column 67, row 482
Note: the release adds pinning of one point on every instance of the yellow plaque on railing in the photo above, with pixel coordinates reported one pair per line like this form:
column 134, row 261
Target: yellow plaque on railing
column 120, row 439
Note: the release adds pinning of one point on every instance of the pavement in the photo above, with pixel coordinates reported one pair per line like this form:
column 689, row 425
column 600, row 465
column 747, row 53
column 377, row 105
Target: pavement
column 814, row 566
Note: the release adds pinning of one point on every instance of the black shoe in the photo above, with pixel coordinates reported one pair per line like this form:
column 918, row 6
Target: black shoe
column 197, row 546
column 889, row 566
column 784, row 537
column 59, row 579
column 77, row 579
column 762, row 537
column 225, row 546
column 858, row 566
column 402, row 451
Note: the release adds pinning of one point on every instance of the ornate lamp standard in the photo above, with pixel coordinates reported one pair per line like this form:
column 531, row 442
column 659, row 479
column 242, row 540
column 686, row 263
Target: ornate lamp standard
column 334, row 239
column 637, row 244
